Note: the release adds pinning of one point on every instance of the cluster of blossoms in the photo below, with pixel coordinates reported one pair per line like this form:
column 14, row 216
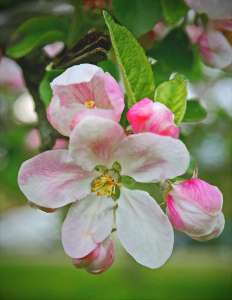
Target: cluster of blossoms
column 93, row 174
column 214, row 40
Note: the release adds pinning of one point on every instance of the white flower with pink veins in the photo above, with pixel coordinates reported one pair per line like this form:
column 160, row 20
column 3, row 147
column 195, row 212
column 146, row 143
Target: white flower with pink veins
column 80, row 91
column 58, row 177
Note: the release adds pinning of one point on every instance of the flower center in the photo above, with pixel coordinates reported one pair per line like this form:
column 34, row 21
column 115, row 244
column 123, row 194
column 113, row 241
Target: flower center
column 90, row 104
column 106, row 185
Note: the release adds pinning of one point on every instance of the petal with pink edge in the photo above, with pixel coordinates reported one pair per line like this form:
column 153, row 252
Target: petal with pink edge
column 216, row 231
column 215, row 49
column 148, row 157
column 52, row 179
column 87, row 223
column 146, row 116
column 204, row 195
column 93, row 142
column 143, row 228
column 195, row 221
column 99, row 260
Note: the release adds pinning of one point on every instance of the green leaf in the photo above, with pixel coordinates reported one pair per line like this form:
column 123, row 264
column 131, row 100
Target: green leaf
column 161, row 72
column 173, row 94
column 175, row 51
column 123, row 121
column 194, row 111
column 45, row 90
column 110, row 67
column 135, row 67
column 138, row 16
column 174, row 10
column 38, row 32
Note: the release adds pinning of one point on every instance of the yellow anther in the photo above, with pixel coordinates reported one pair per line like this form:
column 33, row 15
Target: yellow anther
column 109, row 176
column 108, row 196
column 95, row 181
column 90, row 104
column 105, row 186
column 113, row 192
column 119, row 185
column 102, row 175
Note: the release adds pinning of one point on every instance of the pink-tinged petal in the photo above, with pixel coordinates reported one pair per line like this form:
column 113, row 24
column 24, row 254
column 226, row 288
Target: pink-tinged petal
column 99, row 260
column 115, row 95
column 148, row 157
column 93, row 142
column 52, row 179
column 146, row 116
column 88, row 223
column 60, row 144
column 61, row 116
column 81, row 84
column 215, row 9
column 215, row 49
column 216, row 231
column 206, row 197
column 143, row 229
column 172, row 213
column 220, row 24
column 195, row 222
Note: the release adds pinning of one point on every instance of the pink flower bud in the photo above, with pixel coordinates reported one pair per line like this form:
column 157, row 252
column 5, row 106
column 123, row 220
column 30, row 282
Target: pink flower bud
column 147, row 116
column 99, row 260
column 194, row 207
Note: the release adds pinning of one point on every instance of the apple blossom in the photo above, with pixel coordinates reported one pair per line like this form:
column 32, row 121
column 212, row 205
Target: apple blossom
column 83, row 88
column 99, row 260
column 194, row 207
column 55, row 178
column 215, row 49
column 148, row 116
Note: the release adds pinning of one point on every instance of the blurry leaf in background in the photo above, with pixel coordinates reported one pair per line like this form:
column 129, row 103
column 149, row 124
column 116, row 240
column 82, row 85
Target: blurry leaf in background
column 138, row 16
column 173, row 94
column 110, row 67
column 39, row 32
column 174, row 10
column 135, row 67
column 45, row 90
column 194, row 111
column 174, row 51
column 161, row 72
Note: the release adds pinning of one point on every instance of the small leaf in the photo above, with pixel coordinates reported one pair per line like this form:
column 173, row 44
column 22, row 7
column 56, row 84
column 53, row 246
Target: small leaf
column 138, row 16
column 173, row 94
column 45, row 90
column 123, row 121
column 194, row 111
column 134, row 64
column 38, row 32
column 175, row 51
column 174, row 10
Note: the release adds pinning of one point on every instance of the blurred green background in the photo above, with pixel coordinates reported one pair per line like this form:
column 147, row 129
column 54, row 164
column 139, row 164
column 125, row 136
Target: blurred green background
column 33, row 264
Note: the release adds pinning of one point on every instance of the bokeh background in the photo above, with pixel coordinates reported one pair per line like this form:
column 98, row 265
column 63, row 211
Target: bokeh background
column 33, row 264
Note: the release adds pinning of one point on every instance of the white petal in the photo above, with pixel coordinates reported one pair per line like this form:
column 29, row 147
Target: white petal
column 87, row 223
column 76, row 74
column 143, row 229
column 93, row 142
column 150, row 157
column 52, row 179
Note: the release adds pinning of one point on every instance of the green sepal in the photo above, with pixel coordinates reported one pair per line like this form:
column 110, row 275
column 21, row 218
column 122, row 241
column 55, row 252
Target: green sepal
column 116, row 166
column 117, row 193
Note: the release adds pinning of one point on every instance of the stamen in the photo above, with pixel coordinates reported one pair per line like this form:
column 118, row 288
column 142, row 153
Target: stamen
column 105, row 186
column 90, row 104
